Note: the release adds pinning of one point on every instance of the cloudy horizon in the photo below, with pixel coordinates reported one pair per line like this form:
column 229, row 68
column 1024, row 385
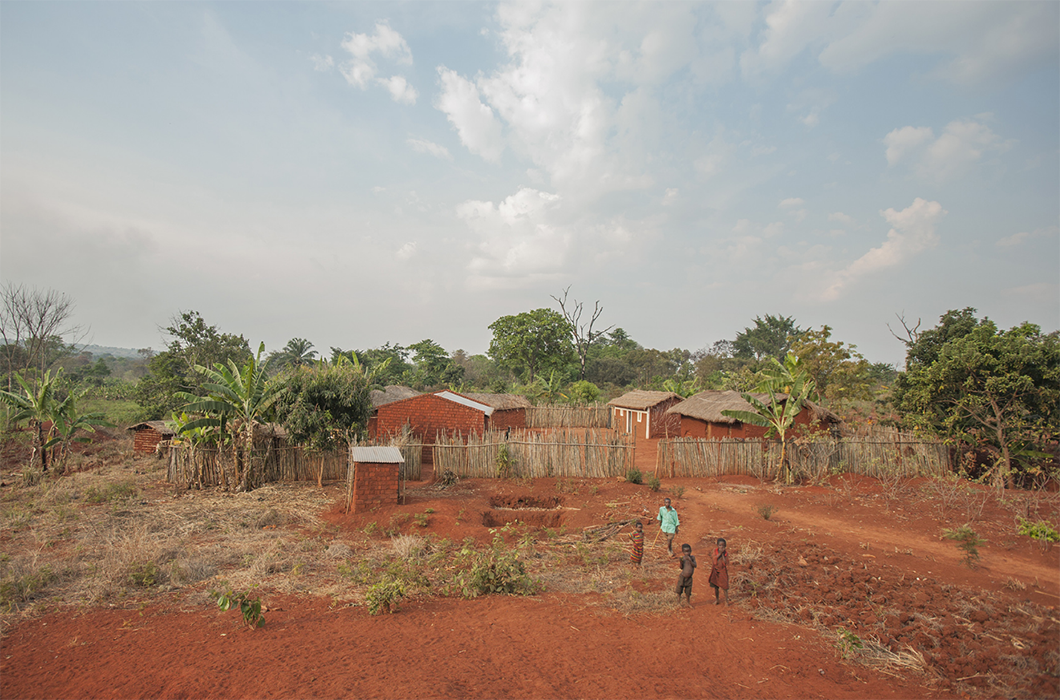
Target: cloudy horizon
column 364, row 173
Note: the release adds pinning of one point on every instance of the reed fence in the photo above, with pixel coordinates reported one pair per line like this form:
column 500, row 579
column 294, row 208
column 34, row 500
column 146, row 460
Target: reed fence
column 204, row 466
column 902, row 455
column 559, row 416
column 586, row 452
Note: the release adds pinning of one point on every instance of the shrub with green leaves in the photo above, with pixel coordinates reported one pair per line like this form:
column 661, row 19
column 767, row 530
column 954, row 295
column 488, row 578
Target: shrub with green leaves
column 144, row 574
column 766, row 510
column 634, row 476
column 677, row 491
column 497, row 569
column 1039, row 530
column 653, row 483
column 249, row 608
column 968, row 540
column 385, row 595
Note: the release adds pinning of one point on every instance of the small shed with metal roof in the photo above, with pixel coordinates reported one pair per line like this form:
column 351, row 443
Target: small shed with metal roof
column 374, row 478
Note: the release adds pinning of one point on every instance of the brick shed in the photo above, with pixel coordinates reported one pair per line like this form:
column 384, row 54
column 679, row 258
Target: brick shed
column 373, row 480
column 509, row 410
column 148, row 434
column 430, row 415
column 643, row 413
column 701, row 416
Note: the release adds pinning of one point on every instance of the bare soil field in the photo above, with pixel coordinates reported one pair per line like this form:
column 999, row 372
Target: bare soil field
column 847, row 589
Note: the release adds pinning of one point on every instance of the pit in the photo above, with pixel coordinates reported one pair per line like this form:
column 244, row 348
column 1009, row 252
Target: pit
column 529, row 510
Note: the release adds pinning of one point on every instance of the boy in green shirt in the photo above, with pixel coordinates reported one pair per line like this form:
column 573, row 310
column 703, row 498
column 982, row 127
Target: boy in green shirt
column 669, row 522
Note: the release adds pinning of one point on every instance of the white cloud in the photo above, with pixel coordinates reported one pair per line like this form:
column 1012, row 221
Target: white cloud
column 912, row 232
column 961, row 145
column 475, row 123
column 909, row 138
column 841, row 218
column 670, row 197
column 362, row 68
column 791, row 27
column 322, row 63
column 406, row 251
column 793, row 207
column 429, row 147
column 399, row 89
column 519, row 237
column 1019, row 238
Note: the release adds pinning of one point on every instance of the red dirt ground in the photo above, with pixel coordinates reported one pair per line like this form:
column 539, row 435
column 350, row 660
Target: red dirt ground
column 853, row 554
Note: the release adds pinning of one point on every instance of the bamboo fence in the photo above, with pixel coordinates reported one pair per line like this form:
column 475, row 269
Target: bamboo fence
column 584, row 452
column 902, row 455
column 561, row 416
column 205, row 467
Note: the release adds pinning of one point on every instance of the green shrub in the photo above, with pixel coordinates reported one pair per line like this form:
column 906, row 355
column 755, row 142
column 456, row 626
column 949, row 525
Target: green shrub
column 968, row 540
column 1039, row 530
column 144, row 574
column 677, row 491
column 385, row 595
column 634, row 476
column 497, row 569
column 653, row 483
column 249, row 608
column 766, row 510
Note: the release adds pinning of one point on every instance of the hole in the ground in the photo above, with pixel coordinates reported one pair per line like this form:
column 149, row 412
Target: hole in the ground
column 529, row 510
column 521, row 502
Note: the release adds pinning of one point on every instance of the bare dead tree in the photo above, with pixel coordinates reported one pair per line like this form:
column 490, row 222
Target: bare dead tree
column 583, row 336
column 912, row 334
column 31, row 322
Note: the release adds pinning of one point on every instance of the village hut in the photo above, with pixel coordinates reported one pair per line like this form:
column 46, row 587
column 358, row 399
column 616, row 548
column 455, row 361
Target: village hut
column 643, row 413
column 701, row 416
column 430, row 415
column 148, row 434
column 509, row 410
column 389, row 394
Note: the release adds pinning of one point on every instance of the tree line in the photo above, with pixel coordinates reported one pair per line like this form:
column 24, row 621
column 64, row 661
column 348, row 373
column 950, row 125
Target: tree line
column 992, row 391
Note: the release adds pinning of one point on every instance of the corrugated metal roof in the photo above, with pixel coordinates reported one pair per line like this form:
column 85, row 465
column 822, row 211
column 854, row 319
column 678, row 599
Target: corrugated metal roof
column 457, row 398
column 376, row 455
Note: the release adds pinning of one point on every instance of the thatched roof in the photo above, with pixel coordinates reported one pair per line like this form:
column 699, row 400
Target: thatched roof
column 708, row 405
column 391, row 394
column 642, row 400
column 501, row 402
column 158, row 426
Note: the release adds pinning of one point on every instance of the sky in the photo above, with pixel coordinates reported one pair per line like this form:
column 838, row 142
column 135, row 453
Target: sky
column 363, row 173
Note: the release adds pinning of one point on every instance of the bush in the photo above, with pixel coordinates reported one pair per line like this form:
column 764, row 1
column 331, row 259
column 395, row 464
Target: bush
column 634, row 476
column 677, row 491
column 144, row 574
column 653, row 483
column 1039, row 530
column 385, row 595
column 968, row 540
column 766, row 510
column 494, row 570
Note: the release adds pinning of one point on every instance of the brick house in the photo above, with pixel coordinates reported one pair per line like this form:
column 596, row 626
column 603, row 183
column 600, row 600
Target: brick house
column 148, row 434
column 701, row 416
column 509, row 410
column 389, row 394
column 430, row 415
column 643, row 413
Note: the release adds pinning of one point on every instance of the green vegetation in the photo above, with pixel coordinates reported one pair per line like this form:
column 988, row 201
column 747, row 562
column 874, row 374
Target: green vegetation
column 249, row 608
column 968, row 541
column 1040, row 530
column 634, row 476
column 653, row 483
column 766, row 510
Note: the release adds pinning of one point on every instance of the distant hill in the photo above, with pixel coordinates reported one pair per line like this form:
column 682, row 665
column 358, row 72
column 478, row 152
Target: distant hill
column 100, row 350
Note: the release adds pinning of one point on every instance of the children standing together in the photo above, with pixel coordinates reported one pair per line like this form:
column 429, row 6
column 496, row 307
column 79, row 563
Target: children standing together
column 669, row 523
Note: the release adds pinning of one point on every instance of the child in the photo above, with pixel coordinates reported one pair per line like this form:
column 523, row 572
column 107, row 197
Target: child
column 638, row 543
column 684, row 580
column 719, row 572
column 669, row 524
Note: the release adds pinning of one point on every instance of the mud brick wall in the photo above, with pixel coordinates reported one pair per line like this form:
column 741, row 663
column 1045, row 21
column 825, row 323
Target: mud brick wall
column 374, row 485
column 696, row 428
column 513, row 418
column 428, row 416
column 145, row 441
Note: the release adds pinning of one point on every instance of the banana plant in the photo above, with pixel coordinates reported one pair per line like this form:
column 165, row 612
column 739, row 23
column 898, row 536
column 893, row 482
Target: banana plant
column 237, row 395
column 67, row 423
column 789, row 388
column 36, row 406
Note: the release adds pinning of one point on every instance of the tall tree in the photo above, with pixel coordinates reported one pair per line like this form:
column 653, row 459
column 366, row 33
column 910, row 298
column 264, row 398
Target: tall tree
column 193, row 343
column 297, row 353
column 770, row 337
column 971, row 382
column 531, row 342
column 582, row 335
column 838, row 370
column 33, row 325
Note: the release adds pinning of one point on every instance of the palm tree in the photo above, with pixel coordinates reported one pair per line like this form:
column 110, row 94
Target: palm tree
column 296, row 353
column 240, row 395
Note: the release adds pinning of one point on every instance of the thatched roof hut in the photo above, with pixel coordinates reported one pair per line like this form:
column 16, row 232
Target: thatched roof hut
column 701, row 414
column 509, row 410
column 640, row 400
column 148, row 434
